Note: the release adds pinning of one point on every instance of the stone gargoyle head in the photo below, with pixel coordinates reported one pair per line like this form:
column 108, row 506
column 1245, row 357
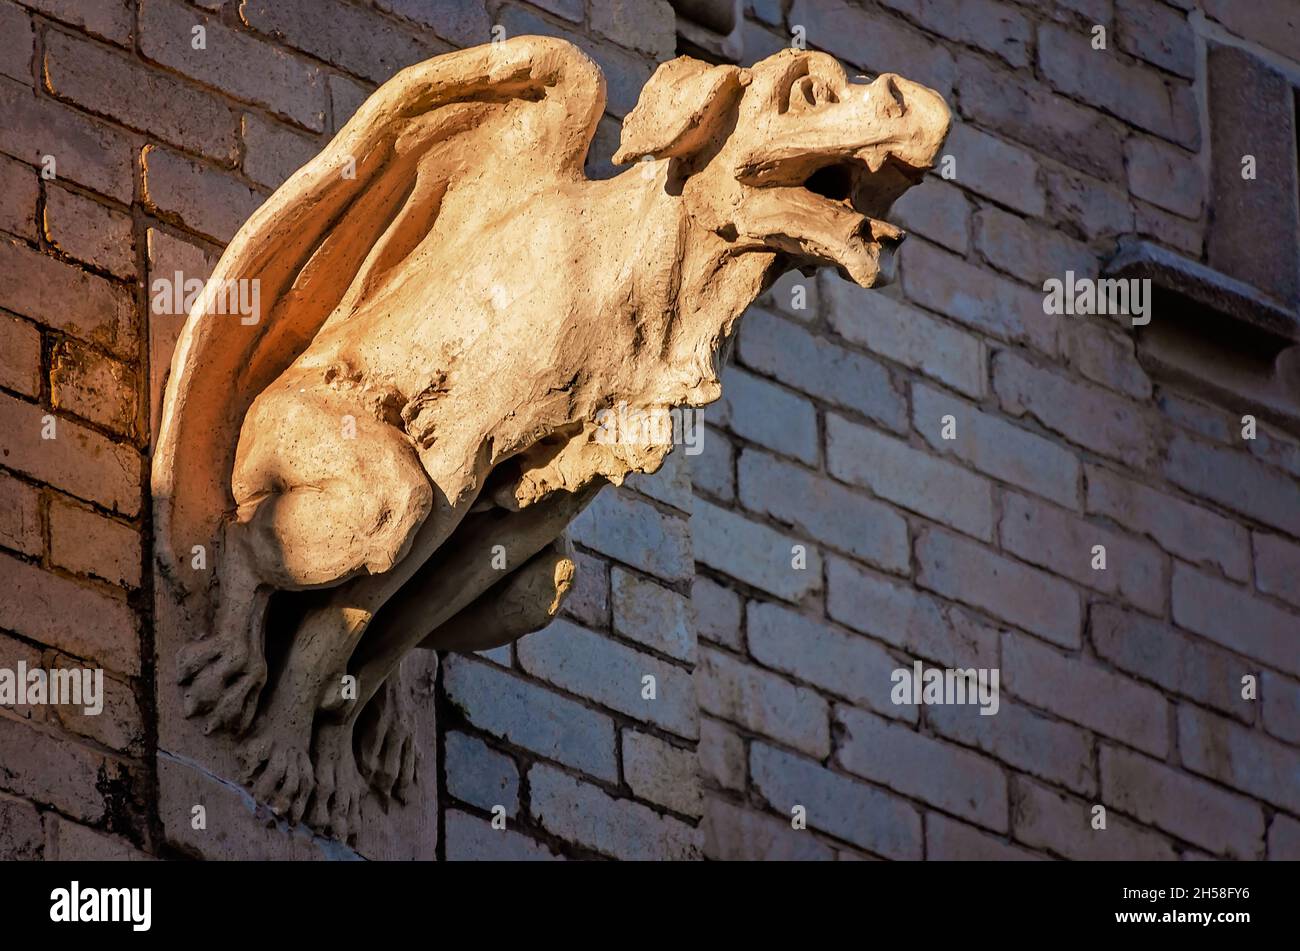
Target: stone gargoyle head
column 386, row 456
column 789, row 155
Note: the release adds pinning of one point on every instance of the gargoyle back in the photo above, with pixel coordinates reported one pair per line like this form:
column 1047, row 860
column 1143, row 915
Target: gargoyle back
column 362, row 203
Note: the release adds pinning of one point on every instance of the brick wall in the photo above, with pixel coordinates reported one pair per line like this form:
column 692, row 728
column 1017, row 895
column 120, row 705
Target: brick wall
column 1120, row 687
column 561, row 735
column 160, row 151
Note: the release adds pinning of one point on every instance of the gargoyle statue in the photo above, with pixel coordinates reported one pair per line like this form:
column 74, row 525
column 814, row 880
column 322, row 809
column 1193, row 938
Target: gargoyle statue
column 451, row 304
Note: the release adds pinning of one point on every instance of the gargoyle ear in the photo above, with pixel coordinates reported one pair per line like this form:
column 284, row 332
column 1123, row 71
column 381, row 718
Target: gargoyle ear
column 680, row 108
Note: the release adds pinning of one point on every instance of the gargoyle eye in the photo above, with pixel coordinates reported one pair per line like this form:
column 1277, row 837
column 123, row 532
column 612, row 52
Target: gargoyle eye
column 799, row 97
column 810, row 92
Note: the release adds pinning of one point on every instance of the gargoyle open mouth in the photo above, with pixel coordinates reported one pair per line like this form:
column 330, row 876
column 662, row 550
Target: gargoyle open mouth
column 865, row 183
column 858, row 187
column 826, row 159
column 833, row 212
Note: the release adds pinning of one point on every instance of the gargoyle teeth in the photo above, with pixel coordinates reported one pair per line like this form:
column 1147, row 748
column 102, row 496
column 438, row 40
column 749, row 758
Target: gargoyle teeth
column 884, row 231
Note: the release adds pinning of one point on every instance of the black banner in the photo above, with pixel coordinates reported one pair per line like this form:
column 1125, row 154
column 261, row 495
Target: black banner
column 219, row 901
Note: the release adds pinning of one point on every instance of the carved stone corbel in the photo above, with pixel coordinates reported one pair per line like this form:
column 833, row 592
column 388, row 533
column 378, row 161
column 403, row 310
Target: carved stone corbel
column 447, row 306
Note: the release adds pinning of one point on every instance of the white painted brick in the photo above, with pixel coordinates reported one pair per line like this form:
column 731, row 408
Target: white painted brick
column 533, row 717
column 585, row 814
column 1180, row 663
column 875, row 41
column 997, row 28
column 1281, row 697
column 847, row 665
column 1049, row 749
column 1277, row 567
column 20, row 516
column 1284, row 838
column 794, row 295
column 1158, row 34
column 949, row 841
column 1164, row 175
column 652, row 615
column 1083, row 693
column 635, row 532
column 996, row 447
column 713, row 469
column 1182, row 529
column 836, row 804
column 1189, row 808
column 909, row 477
column 1053, row 538
column 1137, row 95
column 824, row 510
column 585, row 663
column 1199, row 417
column 1030, row 252
column 588, row 599
column 1029, row 598
column 776, row 347
column 905, row 334
column 753, row 553
column 1233, row 617
column 718, row 612
column 471, row 839
column 479, row 775
column 1235, row 480
column 662, row 773
column 975, row 296
column 944, row 775
column 722, row 755
column 763, row 702
column 671, row 484
column 1084, row 414
column 1275, row 448
column 1244, row 759
column 1090, row 209
column 1046, row 819
column 1104, row 355
column 736, row 834
column 897, row 613
column 996, row 169
column 938, row 211
column 1178, row 233
column 770, row 415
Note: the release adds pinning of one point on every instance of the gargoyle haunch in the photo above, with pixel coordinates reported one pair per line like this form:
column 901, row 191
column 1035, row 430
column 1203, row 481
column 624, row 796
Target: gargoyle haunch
column 448, row 304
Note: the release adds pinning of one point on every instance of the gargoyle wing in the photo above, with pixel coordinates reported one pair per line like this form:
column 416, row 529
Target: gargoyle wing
column 340, row 222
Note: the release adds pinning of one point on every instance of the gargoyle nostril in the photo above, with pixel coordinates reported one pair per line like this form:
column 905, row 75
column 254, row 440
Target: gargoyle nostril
column 895, row 93
column 887, row 98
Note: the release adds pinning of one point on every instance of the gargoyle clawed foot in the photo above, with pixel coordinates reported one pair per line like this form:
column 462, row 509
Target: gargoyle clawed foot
column 336, row 807
column 387, row 755
column 223, row 674
column 223, row 678
column 280, row 773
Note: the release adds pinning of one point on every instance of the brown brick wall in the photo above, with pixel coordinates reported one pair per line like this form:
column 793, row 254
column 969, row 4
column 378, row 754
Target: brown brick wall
column 161, row 150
